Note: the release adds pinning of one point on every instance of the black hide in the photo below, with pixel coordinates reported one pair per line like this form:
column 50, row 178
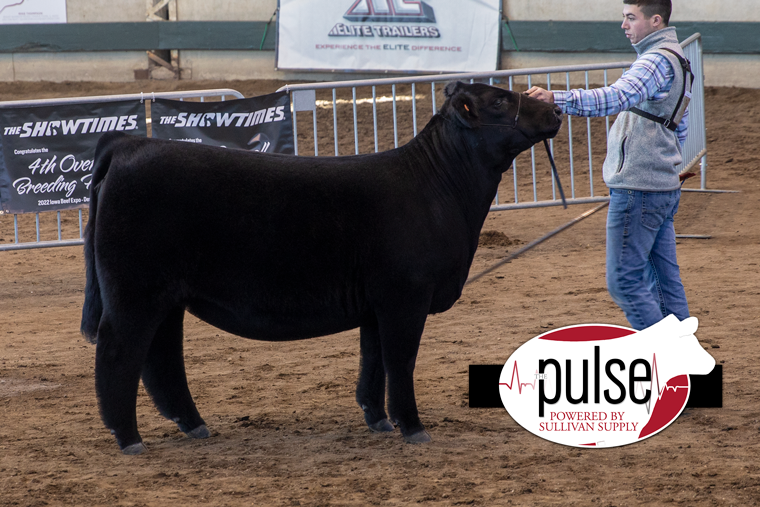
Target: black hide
column 276, row 247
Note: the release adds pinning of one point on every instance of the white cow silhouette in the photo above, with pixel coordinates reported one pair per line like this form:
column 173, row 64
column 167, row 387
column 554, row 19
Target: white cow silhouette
column 677, row 350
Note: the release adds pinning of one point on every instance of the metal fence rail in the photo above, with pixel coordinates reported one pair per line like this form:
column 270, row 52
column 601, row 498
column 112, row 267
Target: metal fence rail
column 28, row 233
column 579, row 150
column 695, row 149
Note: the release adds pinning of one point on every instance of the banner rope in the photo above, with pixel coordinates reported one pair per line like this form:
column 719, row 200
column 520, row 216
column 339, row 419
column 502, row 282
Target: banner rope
column 266, row 28
column 509, row 31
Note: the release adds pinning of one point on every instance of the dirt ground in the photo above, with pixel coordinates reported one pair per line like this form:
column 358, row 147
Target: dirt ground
column 286, row 429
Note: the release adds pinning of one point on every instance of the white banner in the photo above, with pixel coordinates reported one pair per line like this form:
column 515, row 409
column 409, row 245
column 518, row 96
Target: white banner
column 389, row 35
column 32, row 11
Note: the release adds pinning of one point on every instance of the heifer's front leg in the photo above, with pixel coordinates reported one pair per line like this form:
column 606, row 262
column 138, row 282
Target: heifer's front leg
column 370, row 392
column 119, row 357
column 400, row 333
column 165, row 379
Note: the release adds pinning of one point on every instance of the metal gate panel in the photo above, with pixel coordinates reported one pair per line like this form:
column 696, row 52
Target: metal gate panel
column 531, row 183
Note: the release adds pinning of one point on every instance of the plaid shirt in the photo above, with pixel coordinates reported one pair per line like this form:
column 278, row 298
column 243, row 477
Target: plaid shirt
column 649, row 78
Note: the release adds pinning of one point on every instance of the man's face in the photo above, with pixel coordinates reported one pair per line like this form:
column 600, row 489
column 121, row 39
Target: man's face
column 637, row 25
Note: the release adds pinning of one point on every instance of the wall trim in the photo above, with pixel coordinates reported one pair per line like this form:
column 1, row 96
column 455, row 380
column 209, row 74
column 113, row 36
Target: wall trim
column 544, row 36
column 137, row 36
column 607, row 36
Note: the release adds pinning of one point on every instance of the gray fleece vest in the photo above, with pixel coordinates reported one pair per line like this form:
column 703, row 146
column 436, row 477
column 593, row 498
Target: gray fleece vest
column 643, row 154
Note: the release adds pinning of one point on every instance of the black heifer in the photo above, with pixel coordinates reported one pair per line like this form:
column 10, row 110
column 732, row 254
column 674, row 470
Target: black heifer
column 275, row 247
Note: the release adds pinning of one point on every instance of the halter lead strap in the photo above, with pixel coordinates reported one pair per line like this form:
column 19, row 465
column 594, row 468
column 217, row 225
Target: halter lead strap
column 556, row 174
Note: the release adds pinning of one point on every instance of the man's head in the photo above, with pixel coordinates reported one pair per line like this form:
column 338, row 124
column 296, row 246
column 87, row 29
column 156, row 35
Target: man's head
column 643, row 17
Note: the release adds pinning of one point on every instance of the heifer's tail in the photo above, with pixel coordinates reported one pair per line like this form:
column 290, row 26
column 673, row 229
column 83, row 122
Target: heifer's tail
column 93, row 304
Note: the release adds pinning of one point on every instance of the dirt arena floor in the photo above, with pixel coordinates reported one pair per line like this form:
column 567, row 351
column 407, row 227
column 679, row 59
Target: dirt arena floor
column 286, row 429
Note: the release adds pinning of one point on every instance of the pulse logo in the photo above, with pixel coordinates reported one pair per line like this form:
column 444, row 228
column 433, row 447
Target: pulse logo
column 603, row 386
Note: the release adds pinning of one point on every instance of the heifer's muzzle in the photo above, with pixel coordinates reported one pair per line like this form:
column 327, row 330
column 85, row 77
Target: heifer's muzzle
column 558, row 117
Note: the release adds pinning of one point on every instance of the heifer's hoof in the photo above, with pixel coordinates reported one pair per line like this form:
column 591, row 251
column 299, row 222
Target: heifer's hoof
column 199, row 432
column 421, row 437
column 381, row 426
column 134, row 449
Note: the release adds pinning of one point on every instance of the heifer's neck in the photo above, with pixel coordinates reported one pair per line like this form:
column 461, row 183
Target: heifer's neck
column 459, row 168
column 460, row 163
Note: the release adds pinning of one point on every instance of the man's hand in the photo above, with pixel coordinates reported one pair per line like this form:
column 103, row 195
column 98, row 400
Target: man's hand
column 539, row 93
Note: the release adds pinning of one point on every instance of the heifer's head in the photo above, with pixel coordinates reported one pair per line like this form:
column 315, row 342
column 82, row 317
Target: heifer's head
column 508, row 120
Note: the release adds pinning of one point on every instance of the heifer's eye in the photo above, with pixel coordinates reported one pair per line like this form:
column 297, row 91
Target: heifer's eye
column 497, row 102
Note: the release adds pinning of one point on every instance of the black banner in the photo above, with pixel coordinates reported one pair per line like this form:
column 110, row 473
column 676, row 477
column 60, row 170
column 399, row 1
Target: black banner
column 48, row 152
column 706, row 390
column 261, row 123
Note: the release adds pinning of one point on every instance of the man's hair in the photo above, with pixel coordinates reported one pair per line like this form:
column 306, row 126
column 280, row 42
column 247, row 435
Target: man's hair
column 652, row 7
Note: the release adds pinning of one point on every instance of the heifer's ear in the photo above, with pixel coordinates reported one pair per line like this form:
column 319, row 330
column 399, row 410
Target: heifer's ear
column 451, row 89
column 463, row 107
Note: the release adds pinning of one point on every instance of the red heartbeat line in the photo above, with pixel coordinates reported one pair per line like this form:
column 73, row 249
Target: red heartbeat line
column 656, row 378
column 515, row 372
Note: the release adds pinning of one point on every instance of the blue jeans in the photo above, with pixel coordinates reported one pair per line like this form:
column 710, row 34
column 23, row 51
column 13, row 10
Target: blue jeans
column 642, row 273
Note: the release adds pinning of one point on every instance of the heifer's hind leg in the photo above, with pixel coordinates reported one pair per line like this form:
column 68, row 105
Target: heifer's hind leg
column 165, row 380
column 119, row 356
column 370, row 392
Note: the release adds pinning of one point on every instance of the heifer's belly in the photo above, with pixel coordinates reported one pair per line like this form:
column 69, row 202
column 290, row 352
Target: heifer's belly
column 273, row 324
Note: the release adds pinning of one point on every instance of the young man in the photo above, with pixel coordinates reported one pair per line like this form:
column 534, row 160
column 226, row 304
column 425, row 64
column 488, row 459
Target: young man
column 643, row 148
